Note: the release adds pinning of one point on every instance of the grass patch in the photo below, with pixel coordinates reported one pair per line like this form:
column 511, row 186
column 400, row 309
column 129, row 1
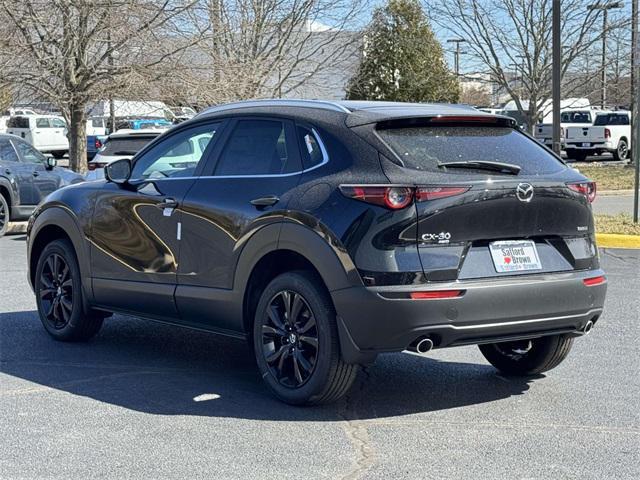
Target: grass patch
column 621, row 224
column 610, row 177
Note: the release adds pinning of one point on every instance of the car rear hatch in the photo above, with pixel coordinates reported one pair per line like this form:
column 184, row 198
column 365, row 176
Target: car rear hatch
column 585, row 135
column 489, row 201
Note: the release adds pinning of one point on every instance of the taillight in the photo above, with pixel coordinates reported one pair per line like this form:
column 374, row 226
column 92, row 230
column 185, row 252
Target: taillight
column 593, row 281
column 98, row 143
column 397, row 198
column 394, row 198
column 436, row 294
column 607, row 133
column 588, row 189
column 434, row 193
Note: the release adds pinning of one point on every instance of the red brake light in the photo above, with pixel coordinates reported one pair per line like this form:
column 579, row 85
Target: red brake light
column 590, row 282
column 434, row 193
column 588, row 189
column 607, row 133
column 436, row 294
column 394, row 198
column 98, row 143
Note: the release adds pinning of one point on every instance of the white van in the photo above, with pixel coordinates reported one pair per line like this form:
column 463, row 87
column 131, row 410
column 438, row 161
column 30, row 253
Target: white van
column 46, row 133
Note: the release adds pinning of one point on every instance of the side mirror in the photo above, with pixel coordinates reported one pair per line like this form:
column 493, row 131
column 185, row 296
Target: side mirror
column 50, row 163
column 118, row 172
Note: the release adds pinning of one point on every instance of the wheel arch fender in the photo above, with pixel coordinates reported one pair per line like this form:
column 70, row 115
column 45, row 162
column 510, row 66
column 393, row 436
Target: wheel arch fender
column 334, row 266
column 5, row 185
column 58, row 222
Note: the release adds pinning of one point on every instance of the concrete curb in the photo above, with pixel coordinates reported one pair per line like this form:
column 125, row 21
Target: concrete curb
column 613, row 240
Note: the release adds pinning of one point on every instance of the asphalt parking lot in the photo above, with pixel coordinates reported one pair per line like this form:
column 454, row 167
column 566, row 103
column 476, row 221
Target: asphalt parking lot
column 144, row 400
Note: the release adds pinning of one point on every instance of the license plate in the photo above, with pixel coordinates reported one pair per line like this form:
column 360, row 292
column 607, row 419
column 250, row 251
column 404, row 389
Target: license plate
column 515, row 256
column 586, row 144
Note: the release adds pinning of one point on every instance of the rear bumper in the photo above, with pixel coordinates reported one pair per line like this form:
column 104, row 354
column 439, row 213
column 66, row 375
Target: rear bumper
column 591, row 146
column 488, row 311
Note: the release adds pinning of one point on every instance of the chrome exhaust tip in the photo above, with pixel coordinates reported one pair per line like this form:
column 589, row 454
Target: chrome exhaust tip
column 422, row 345
column 587, row 328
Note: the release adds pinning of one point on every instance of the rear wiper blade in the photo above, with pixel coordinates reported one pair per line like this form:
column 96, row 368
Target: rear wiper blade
column 508, row 168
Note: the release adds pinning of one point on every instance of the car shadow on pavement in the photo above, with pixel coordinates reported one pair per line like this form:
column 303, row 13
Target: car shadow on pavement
column 160, row 369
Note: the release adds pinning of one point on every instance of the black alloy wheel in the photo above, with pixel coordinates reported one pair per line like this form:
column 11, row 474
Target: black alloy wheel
column 56, row 291
column 58, row 288
column 290, row 339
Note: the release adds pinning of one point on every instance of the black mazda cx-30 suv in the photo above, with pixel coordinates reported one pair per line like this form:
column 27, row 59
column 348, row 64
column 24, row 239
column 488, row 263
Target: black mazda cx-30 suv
column 326, row 233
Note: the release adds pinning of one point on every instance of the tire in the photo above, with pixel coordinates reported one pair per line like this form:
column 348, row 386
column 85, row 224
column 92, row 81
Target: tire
column 58, row 155
column 622, row 152
column 59, row 300
column 5, row 215
column 580, row 156
column 295, row 370
column 571, row 154
column 528, row 357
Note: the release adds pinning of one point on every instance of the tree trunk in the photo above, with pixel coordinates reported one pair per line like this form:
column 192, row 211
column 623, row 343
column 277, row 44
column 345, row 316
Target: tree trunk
column 78, row 138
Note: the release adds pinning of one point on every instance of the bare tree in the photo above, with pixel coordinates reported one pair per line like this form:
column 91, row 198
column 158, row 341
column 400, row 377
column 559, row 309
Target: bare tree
column 504, row 36
column 72, row 52
column 269, row 48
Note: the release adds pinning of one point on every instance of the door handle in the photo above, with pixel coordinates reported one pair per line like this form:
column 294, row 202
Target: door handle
column 268, row 201
column 167, row 203
column 35, row 174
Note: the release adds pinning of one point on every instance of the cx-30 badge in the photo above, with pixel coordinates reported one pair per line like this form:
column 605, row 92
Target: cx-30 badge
column 524, row 192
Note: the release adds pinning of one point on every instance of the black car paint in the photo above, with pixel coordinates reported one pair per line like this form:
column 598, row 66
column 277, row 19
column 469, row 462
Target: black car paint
column 27, row 184
column 136, row 264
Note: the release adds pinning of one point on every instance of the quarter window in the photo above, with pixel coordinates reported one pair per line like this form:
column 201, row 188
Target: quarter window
column 312, row 154
column 257, row 147
column 177, row 156
column 42, row 123
column 7, row 152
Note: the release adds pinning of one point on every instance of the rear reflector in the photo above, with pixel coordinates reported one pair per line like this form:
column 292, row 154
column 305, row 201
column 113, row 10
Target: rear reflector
column 436, row 294
column 590, row 282
column 588, row 189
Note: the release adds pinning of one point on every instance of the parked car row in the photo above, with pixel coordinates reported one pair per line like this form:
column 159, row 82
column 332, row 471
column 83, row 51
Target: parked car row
column 587, row 132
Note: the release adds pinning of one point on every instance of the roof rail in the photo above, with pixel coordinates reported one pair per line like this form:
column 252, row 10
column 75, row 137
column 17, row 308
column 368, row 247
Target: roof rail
column 321, row 104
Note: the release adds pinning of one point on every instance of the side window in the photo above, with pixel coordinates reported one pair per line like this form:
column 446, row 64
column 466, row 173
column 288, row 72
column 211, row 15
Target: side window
column 42, row 123
column 176, row 156
column 312, row 153
column 257, row 147
column 18, row 122
column 57, row 123
column 7, row 152
column 28, row 153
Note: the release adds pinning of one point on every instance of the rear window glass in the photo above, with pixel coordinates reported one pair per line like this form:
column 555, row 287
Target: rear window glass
column 612, row 119
column 423, row 148
column 575, row 117
column 18, row 122
column 125, row 146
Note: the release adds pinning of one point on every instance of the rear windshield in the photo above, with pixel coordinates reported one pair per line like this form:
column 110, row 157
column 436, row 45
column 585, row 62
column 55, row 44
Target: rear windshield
column 612, row 119
column 575, row 117
column 423, row 148
column 18, row 122
column 124, row 146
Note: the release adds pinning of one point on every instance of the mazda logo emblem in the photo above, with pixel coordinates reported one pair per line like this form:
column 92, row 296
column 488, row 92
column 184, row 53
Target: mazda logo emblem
column 524, row 192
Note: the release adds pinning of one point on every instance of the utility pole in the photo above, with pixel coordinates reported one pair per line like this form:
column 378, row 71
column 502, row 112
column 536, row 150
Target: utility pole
column 457, row 52
column 555, row 74
column 605, row 7
column 635, row 92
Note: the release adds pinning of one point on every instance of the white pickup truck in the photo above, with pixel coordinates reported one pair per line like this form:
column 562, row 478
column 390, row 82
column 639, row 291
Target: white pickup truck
column 543, row 132
column 610, row 132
